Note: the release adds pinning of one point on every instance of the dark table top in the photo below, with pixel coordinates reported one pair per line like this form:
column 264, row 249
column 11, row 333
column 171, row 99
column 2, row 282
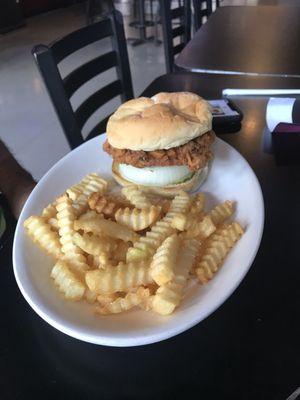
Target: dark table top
column 247, row 349
column 259, row 40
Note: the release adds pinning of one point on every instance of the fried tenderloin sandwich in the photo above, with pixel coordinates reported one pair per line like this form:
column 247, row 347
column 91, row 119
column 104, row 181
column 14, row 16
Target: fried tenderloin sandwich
column 161, row 143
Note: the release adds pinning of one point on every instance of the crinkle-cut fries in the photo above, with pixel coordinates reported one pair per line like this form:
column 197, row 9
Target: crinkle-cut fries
column 119, row 251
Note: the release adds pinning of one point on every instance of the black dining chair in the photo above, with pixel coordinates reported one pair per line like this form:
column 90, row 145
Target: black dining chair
column 202, row 10
column 176, row 24
column 61, row 89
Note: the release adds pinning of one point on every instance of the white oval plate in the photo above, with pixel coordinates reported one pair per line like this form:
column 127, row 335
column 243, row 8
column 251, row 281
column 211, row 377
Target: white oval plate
column 230, row 178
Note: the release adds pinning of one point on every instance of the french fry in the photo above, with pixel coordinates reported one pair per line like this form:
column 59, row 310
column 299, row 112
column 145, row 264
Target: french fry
column 136, row 197
column 41, row 233
column 49, row 211
column 103, row 260
column 90, row 296
column 49, row 214
column 164, row 260
column 168, row 296
column 198, row 203
column 201, row 229
column 65, row 221
column 67, row 282
column 145, row 247
column 89, row 184
column 121, row 304
column 118, row 279
column 80, row 206
column 137, row 219
column 73, row 254
column 100, row 226
column 216, row 249
column 120, row 253
column 93, row 244
column 104, row 204
column 92, row 261
column 222, row 212
column 180, row 204
column 105, row 299
column 162, row 202
column 53, row 223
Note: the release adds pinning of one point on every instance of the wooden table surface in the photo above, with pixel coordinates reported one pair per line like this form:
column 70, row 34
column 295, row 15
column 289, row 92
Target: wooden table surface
column 249, row 40
column 247, row 349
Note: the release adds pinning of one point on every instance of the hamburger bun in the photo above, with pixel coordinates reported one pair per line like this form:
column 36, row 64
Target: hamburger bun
column 170, row 190
column 164, row 121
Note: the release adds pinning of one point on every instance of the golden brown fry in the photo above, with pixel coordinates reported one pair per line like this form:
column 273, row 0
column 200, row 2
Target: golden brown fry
column 157, row 200
column 100, row 226
column 216, row 249
column 198, row 203
column 164, row 260
column 105, row 298
column 80, row 206
column 180, row 204
column 54, row 224
column 93, row 244
column 89, row 184
column 118, row 279
column 65, row 220
column 92, row 261
column 120, row 253
column 49, row 214
column 90, row 296
column 73, row 254
column 67, row 282
column 145, row 247
column 168, row 296
column 41, row 233
column 121, row 304
column 222, row 212
column 137, row 219
column 104, row 204
column 136, row 197
column 49, row 211
column 201, row 229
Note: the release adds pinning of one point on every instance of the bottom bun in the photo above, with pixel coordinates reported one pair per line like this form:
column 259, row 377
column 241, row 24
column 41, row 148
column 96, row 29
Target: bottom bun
column 170, row 190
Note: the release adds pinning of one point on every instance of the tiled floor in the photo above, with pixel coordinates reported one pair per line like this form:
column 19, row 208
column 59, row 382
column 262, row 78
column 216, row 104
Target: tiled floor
column 28, row 122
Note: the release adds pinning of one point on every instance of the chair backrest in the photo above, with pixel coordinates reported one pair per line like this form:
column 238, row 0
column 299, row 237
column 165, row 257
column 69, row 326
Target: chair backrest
column 176, row 24
column 202, row 10
column 61, row 89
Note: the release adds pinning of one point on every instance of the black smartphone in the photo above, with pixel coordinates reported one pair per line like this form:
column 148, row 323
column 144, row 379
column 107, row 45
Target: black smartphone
column 225, row 112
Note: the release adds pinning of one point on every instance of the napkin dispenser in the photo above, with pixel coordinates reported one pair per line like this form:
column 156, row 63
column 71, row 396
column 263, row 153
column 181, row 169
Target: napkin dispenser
column 283, row 121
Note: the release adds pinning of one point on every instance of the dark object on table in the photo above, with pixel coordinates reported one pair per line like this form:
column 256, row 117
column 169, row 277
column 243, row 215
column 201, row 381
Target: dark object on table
column 141, row 23
column 97, row 8
column 223, row 117
column 10, row 16
column 201, row 14
column 286, row 143
column 60, row 90
column 235, row 38
column 182, row 31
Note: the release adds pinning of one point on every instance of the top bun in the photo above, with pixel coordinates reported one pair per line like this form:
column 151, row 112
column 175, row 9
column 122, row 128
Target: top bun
column 163, row 121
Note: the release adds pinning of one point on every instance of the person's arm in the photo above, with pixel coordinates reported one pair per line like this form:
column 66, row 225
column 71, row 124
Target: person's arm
column 15, row 182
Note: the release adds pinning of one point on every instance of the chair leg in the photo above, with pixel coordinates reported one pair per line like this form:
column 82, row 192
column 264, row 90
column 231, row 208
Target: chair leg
column 88, row 12
column 156, row 22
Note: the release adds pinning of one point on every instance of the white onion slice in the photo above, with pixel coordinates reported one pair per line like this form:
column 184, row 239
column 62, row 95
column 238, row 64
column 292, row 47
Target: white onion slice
column 155, row 176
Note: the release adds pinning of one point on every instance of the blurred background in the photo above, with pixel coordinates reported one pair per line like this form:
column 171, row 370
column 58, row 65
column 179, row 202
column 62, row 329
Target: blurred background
column 29, row 125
